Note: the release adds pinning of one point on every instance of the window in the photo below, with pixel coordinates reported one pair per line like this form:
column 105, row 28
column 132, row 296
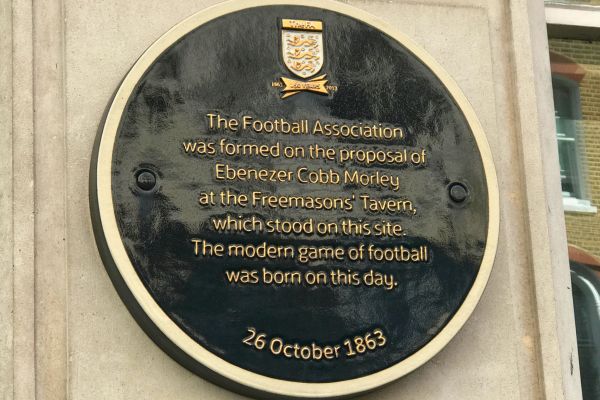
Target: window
column 567, row 75
column 585, row 279
column 575, row 2
column 567, row 113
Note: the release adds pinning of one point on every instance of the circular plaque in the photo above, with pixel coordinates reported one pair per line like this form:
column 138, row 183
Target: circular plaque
column 294, row 200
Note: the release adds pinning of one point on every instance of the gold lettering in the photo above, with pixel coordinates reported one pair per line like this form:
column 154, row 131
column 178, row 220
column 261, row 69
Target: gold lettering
column 304, row 25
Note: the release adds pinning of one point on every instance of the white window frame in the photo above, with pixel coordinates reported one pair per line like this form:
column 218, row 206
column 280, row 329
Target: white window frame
column 581, row 22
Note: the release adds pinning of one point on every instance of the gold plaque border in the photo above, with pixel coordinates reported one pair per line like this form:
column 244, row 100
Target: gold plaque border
column 177, row 336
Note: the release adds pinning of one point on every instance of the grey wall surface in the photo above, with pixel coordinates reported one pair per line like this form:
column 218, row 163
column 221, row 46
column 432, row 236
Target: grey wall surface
column 64, row 332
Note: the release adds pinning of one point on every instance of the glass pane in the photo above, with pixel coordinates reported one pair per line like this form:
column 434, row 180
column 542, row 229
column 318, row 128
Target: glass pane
column 586, row 303
column 567, row 153
column 567, row 108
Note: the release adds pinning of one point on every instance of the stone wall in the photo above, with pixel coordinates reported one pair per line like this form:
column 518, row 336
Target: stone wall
column 64, row 331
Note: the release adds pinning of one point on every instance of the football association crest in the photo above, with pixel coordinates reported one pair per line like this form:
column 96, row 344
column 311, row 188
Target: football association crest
column 303, row 54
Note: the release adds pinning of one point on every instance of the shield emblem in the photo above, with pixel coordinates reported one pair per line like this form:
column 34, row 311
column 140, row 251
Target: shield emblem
column 302, row 46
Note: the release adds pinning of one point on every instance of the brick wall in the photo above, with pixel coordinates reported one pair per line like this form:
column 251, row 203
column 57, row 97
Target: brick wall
column 583, row 229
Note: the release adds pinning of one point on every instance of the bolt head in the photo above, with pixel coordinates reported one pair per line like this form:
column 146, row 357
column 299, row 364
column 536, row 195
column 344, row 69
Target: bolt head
column 146, row 180
column 458, row 192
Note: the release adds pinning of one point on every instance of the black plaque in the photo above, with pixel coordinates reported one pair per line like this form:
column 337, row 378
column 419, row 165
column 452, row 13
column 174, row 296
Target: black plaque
column 294, row 201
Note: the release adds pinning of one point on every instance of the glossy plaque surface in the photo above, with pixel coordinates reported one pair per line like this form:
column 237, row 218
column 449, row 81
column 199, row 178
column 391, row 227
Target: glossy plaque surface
column 287, row 196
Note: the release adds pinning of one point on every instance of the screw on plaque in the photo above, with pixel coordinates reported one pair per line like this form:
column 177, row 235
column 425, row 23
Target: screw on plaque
column 146, row 180
column 458, row 192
